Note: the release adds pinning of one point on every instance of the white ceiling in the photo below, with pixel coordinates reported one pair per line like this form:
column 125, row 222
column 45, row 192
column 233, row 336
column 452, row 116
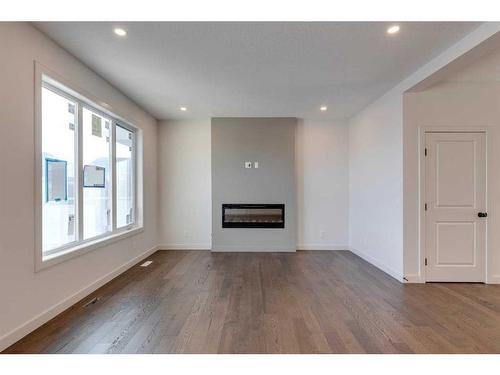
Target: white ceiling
column 254, row 69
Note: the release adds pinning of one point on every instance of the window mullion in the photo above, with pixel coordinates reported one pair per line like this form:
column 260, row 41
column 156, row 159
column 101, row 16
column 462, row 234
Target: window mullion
column 79, row 163
column 133, row 219
column 113, row 174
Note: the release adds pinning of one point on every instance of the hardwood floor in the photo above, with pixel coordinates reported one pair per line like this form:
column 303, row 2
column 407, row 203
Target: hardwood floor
column 304, row 302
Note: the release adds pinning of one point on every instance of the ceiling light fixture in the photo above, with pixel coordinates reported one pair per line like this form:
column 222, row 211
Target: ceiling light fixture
column 119, row 31
column 184, row 109
column 323, row 108
column 393, row 29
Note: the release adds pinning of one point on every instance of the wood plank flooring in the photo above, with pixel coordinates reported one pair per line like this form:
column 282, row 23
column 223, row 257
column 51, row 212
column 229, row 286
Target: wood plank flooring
column 304, row 302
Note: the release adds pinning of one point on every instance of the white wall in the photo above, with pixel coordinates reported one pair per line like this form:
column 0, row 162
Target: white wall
column 29, row 298
column 185, row 172
column 322, row 193
column 185, row 184
column 469, row 99
column 374, row 193
column 375, row 175
column 377, row 231
column 375, row 184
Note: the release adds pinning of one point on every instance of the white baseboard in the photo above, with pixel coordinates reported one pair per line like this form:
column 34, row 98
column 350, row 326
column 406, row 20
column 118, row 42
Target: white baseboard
column 18, row 333
column 322, row 247
column 494, row 279
column 185, row 246
column 202, row 246
column 417, row 279
column 253, row 249
column 413, row 279
column 388, row 270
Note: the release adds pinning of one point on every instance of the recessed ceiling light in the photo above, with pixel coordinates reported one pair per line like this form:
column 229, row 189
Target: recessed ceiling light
column 393, row 29
column 119, row 31
column 323, row 108
column 184, row 109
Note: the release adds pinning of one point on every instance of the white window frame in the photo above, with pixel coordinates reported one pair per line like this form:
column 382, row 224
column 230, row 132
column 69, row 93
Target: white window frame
column 54, row 82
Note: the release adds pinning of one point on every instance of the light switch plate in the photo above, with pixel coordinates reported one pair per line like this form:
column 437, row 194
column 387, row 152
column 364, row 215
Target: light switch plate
column 256, row 164
column 248, row 164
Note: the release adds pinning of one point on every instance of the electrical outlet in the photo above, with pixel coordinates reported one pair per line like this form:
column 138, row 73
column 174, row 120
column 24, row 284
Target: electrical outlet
column 256, row 164
column 248, row 164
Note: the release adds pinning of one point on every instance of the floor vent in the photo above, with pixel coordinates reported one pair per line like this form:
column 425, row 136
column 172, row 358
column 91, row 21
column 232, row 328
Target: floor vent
column 147, row 263
column 93, row 301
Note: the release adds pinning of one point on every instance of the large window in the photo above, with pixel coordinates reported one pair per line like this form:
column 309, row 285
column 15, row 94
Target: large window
column 58, row 170
column 88, row 172
column 96, row 156
column 124, row 176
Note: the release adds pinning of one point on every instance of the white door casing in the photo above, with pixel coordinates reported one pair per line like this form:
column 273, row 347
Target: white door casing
column 455, row 193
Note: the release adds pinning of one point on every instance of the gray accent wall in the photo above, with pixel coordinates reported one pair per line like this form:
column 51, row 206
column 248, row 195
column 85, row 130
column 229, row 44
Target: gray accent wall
column 271, row 143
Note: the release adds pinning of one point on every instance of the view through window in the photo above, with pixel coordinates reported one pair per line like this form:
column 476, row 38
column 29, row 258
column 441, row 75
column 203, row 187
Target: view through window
column 96, row 192
column 83, row 152
column 124, row 177
column 58, row 170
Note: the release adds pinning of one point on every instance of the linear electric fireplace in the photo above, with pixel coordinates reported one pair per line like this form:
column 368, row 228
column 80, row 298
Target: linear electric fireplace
column 253, row 215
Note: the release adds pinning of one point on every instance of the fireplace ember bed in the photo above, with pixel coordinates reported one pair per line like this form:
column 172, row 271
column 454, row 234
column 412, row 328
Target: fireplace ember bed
column 235, row 215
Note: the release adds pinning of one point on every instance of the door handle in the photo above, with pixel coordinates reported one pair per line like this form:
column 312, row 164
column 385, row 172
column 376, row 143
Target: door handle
column 482, row 214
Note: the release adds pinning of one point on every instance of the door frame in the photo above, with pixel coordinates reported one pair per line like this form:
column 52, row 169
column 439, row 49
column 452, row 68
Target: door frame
column 422, row 131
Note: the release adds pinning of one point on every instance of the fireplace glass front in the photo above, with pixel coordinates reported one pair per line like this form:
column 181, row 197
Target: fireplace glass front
column 253, row 215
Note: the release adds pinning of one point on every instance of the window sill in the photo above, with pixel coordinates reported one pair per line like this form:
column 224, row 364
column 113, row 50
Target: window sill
column 44, row 262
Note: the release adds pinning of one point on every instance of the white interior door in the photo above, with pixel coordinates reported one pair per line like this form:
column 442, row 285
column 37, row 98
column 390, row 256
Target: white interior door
column 455, row 198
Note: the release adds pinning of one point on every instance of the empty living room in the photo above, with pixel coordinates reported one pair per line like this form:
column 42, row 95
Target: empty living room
column 262, row 188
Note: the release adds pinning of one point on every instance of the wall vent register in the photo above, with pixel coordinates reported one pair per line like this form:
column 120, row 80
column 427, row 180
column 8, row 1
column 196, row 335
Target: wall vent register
column 235, row 215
